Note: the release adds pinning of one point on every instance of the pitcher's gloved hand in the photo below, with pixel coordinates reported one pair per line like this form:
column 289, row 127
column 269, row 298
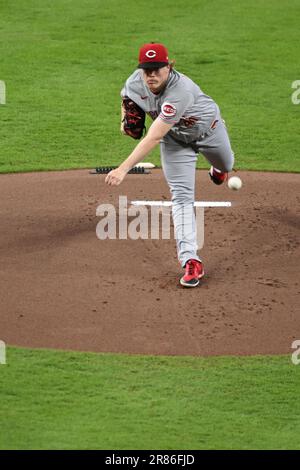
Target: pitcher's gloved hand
column 133, row 119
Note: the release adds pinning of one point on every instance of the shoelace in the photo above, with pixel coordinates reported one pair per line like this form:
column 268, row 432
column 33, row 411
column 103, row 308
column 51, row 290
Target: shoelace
column 191, row 268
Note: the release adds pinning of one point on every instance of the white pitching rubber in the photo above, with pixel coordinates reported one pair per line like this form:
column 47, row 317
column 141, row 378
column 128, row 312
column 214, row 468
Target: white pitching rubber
column 145, row 165
column 196, row 203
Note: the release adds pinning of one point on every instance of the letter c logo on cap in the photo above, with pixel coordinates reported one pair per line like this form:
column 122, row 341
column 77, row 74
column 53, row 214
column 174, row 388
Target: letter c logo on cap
column 150, row 54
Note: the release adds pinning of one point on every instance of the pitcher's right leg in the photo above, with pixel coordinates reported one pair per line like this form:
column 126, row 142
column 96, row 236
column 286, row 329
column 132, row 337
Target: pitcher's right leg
column 216, row 148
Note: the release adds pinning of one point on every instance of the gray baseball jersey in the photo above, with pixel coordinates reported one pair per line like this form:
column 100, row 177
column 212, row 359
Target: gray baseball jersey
column 197, row 123
column 181, row 103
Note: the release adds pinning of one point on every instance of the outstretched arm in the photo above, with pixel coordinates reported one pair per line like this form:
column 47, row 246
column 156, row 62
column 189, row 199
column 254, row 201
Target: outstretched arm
column 156, row 132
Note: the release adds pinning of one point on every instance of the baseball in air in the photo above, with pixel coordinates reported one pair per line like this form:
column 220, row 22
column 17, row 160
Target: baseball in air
column 235, row 183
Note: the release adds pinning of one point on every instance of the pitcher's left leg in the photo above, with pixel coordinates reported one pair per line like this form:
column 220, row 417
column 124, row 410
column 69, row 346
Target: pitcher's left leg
column 179, row 165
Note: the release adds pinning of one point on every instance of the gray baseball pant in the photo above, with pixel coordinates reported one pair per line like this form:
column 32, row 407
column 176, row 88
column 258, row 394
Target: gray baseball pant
column 179, row 165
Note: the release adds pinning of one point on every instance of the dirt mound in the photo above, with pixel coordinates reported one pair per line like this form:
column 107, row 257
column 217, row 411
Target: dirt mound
column 62, row 287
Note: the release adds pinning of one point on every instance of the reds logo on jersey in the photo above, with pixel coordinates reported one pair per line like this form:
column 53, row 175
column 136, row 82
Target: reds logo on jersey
column 168, row 110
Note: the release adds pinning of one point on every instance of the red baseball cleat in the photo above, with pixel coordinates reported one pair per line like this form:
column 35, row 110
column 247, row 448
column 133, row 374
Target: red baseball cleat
column 193, row 272
column 217, row 176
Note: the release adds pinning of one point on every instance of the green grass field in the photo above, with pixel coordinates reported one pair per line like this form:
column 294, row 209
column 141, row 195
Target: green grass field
column 62, row 400
column 64, row 63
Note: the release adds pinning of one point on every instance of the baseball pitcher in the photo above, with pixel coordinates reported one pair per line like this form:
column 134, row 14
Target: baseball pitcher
column 186, row 122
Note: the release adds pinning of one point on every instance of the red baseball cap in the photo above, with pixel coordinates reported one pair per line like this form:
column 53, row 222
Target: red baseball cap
column 153, row 55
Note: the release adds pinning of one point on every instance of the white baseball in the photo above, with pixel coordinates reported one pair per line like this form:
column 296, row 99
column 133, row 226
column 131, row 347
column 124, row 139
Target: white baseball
column 235, row 183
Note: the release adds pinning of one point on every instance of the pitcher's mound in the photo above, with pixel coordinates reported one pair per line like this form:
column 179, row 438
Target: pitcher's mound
column 61, row 287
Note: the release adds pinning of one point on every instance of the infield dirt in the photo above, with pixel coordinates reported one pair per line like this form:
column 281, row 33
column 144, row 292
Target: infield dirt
column 62, row 287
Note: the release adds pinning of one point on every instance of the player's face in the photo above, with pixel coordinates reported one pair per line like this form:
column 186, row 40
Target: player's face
column 156, row 79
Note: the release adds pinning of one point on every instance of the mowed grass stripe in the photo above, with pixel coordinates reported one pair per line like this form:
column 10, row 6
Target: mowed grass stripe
column 68, row 400
column 65, row 62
